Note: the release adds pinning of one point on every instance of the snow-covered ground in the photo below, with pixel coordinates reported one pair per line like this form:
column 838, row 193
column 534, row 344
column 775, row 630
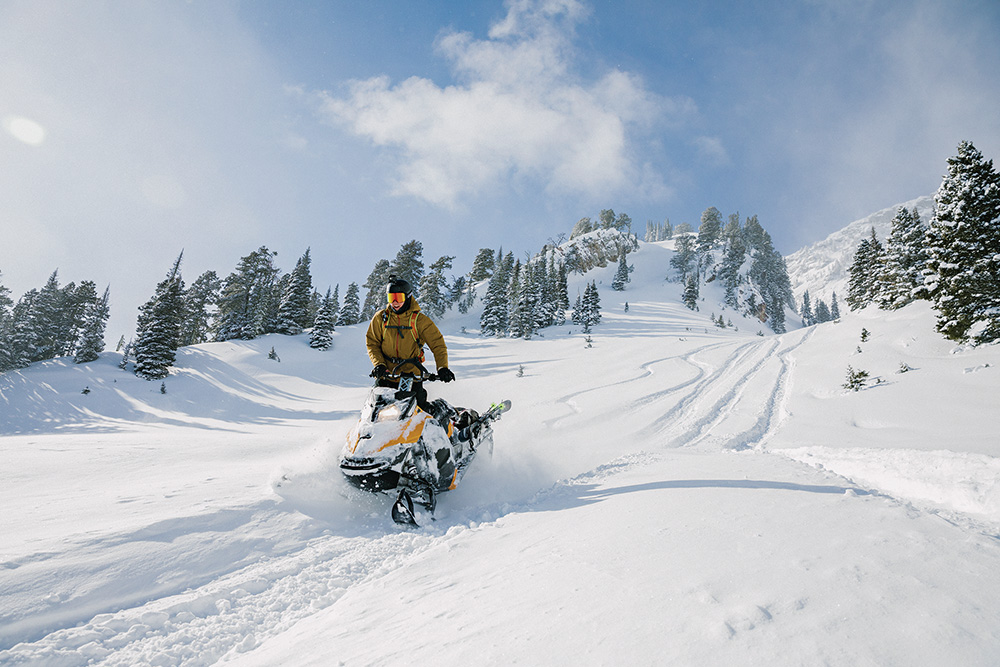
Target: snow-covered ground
column 670, row 493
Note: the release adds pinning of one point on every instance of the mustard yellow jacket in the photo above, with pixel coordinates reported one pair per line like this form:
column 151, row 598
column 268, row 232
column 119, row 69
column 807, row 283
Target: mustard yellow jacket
column 394, row 336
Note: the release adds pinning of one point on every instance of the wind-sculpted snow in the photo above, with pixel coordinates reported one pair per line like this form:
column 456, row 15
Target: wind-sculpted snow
column 636, row 509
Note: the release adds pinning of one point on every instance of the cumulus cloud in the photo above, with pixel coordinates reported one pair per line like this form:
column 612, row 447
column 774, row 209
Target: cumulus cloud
column 518, row 110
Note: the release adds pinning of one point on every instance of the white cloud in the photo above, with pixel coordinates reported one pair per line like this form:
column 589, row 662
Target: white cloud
column 519, row 111
column 712, row 151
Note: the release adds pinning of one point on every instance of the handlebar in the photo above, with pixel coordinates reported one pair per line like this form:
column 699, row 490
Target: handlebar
column 423, row 376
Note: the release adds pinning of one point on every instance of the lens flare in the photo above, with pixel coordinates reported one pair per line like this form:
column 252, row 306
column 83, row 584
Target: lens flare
column 24, row 129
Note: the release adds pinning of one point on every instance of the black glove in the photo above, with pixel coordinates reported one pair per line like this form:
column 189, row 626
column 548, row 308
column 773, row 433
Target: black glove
column 445, row 375
column 379, row 372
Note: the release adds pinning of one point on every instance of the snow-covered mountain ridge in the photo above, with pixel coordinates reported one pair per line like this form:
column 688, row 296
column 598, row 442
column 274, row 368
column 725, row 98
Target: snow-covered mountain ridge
column 667, row 492
column 822, row 267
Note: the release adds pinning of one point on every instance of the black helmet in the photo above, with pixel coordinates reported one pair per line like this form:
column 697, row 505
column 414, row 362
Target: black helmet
column 397, row 285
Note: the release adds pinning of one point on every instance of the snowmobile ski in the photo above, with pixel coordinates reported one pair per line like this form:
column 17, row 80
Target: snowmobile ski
column 402, row 510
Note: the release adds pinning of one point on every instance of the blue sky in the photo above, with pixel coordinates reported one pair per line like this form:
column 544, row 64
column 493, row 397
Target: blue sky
column 133, row 130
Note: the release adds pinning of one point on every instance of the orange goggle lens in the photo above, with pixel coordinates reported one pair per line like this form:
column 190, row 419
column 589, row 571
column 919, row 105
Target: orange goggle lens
column 396, row 297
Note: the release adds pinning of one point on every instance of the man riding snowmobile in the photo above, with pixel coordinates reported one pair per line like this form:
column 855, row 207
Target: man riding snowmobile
column 395, row 339
column 397, row 334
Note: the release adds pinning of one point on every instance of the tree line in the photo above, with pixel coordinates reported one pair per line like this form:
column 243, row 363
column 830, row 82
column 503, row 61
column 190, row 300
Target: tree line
column 52, row 321
column 953, row 261
column 752, row 273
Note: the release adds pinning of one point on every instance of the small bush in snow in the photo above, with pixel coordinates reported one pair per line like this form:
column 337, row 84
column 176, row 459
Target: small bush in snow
column 856, row 379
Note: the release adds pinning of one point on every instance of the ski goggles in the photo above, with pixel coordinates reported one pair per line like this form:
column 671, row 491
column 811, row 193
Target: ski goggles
column 396, row 297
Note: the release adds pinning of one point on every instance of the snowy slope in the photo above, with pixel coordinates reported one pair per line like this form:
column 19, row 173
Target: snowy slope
column 673, row 493
column 822, row 267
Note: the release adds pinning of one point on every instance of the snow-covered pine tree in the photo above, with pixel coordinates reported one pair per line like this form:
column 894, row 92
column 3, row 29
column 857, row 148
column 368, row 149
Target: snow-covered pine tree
column 822, row 311
column 73, row 305
column 621, row 275
column 583, row 226
column 456, row 290
column 533, row 292
column 769, row 273
column 807, row 313
column 350, row 312
column 560, row 293
column 434, row 288
column 684, row 256
column 159, row 326
column 905, row 259
column 708, row 233
column 515, row 302
column 6, row 322
column 729, row 271
column 375, row 286
column 293, row 313
column 834, row 308
column 590, row 307
column 248, row 297
column 483, row 266
column 863, row 275
column 46, row 320
column 963, row 245
column 468, row 297
column 690, row 296
column 22, row 341
column 91, row 342
column 408, row 265
column 495, row 318
column 126, row 355
column 321, row 336
column 199, row 299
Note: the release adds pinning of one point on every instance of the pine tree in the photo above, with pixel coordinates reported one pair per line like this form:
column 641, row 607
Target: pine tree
column 822, row 311
column 350, row 312
column 690, row 297
column 22, row 341
column 375, row 286
column 293, row 313
column 583, row 226
column 91, row 342
column 863, row 285
column 769, row 273
column 561, row 294
column 46, row 320
column 684, row 256
column 434, row 290
column 729, row 272
column 515, row 303
column 964, row 248
column 905, row 260
column 621, row 276
column 72, row 301
column 590, row 307
column 408, row 265
column 321, row 336
column 248, row 299
column 159, row 326
column 709, row 230
column 807, row 314
column 834, row 308
column 494, row 320
column 199, row 298
column 483, row 266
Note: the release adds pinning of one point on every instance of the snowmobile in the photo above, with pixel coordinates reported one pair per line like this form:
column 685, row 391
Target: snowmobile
column 419, row 449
